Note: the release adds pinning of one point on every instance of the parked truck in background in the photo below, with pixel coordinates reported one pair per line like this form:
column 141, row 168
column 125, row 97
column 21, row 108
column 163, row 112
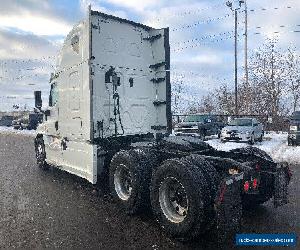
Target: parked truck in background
column 110, row 114
column 29, row 121
column 6, row 120
column 199, row 125
column 294, row 129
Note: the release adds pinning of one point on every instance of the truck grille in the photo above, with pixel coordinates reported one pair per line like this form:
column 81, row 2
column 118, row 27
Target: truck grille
column 187, row 130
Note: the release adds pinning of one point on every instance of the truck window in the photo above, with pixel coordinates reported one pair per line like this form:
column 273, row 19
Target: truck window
column 53, row 98
column 75, row 43
column 196, row 118
column 241, row 122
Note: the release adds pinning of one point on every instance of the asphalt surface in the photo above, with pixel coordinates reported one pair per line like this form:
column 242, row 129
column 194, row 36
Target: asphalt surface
column 54, row 209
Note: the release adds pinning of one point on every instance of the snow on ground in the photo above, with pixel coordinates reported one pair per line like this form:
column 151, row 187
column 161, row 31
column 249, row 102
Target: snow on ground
column 275, row 144
column 11, row 130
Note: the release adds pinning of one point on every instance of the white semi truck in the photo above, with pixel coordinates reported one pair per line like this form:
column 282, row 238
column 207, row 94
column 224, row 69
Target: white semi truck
column 110, row 114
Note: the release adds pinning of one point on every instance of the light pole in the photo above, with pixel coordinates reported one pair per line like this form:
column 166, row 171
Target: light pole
column 235, row 10
column 246, row 42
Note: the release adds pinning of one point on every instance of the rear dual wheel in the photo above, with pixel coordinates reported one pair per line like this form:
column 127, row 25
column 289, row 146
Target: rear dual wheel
column 180, row 197
column 129, row 179
column 181, row 191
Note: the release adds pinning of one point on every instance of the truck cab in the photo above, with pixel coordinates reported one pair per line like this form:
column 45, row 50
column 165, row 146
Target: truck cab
column 199, row 125
column 112, row 80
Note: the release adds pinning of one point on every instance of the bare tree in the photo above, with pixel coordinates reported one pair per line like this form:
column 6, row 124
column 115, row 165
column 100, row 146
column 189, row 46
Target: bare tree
column 207, row 104
column 176, row 94
column 293, row 77
column 267, row 77
column 225, row 100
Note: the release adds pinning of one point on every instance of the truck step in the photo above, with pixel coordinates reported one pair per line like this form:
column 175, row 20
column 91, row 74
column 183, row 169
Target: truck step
column 157, row 65
column 158, row 80
column 152, row 38
column 158, row 103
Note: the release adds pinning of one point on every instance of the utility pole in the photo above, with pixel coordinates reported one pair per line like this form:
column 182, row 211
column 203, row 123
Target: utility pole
column 235, row 63
column 235, row 10
column 246, row 43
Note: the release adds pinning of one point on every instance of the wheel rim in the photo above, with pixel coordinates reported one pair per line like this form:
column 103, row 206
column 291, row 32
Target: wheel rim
column 173, row 200
column 40, row 149
column 123, row 182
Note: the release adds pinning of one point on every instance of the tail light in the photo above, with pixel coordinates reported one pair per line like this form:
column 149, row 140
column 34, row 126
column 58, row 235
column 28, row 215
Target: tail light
column 246, row 186
column 254, row 183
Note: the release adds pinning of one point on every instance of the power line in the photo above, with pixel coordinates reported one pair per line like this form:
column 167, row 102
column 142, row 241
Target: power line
column 184, row 73
column 197, row 10
column 188, row 26
column 276, row 32
column 191, row 25
column 272, row 8
column 189, row 12
column 199, row 39
column 194, row 45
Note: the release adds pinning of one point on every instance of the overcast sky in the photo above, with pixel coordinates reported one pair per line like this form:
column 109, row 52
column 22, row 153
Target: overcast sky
column 201, row 37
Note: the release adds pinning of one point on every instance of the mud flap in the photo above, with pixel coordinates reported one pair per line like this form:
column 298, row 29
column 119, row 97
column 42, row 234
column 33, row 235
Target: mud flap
column 228, row 208
column 281, row 181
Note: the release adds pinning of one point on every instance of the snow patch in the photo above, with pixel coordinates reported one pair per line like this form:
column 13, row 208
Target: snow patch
column 11, row 130
column 275, row 144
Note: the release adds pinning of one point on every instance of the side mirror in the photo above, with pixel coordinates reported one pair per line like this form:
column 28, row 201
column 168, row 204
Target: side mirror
column 38, row 103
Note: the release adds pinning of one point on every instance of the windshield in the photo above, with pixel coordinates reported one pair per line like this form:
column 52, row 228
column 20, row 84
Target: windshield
column 196, row 118
column 296, row 115
column 53, row 98
column 240, row 122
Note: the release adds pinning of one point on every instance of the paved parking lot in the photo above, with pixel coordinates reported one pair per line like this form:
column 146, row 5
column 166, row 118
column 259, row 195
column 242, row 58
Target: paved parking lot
column 55, row 209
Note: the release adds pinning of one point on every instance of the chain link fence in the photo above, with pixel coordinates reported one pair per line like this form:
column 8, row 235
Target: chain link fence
column 278, row 123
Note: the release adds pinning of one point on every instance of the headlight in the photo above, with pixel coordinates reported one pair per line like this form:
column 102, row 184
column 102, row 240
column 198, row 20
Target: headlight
column 293, row 128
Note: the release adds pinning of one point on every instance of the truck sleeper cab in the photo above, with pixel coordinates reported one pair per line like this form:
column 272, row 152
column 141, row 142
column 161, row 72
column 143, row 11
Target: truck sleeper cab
column 110, row 113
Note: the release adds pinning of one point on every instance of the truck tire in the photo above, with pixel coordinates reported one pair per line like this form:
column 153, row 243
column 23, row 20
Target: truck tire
column 40, row 153
column 211, row 184
column 202, row 134
column 261, row 137
column 252, row 140
column 129, row 179
column 178, row 198
column 209, row 171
